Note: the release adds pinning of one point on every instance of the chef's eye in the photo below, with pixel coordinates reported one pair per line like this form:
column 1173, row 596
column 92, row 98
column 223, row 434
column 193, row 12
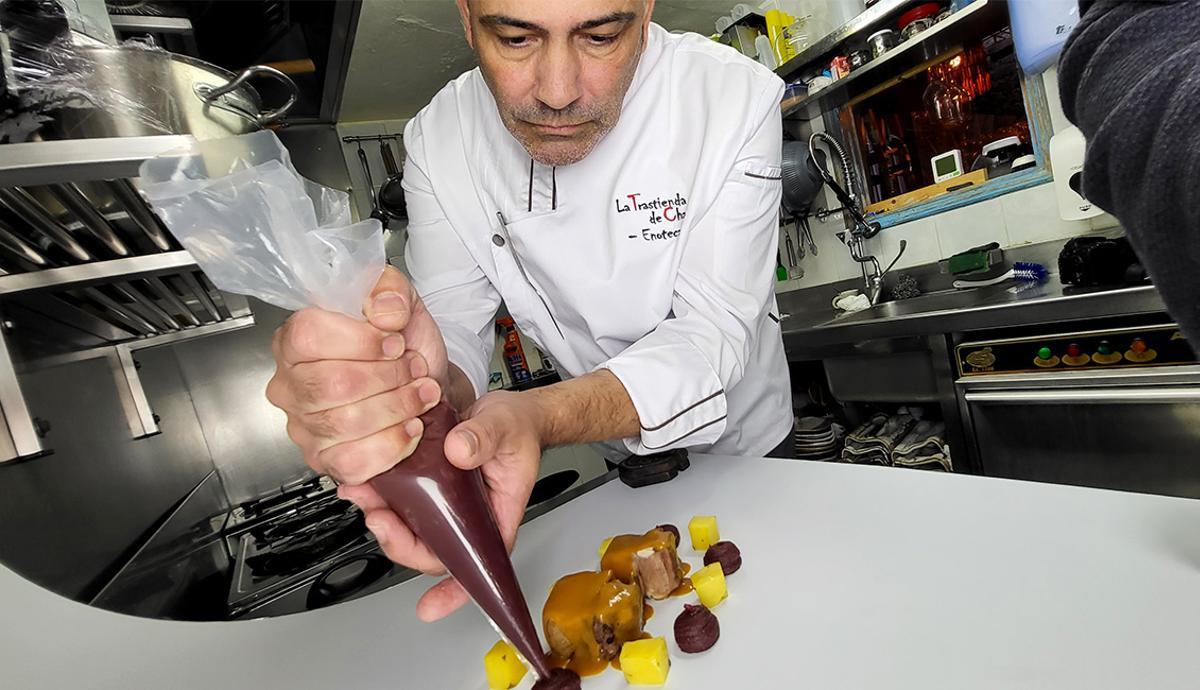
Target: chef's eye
column 601, row 39
column 515, row 41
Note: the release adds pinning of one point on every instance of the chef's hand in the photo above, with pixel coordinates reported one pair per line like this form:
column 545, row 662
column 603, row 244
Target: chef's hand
column 353, row 391
column 501, row 434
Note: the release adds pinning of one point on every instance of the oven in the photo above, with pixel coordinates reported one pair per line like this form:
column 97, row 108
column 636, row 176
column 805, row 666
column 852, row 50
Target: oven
column 1114, row 409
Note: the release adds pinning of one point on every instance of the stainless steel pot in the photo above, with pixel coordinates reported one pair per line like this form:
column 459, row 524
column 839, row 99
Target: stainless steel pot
column 139, row 92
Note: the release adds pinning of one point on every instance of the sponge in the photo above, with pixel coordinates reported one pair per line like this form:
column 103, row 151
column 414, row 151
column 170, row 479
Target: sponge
column 972, row 260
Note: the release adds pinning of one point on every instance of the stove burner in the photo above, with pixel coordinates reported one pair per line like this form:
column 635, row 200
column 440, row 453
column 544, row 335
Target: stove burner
column 260, row 506
column 301, row 549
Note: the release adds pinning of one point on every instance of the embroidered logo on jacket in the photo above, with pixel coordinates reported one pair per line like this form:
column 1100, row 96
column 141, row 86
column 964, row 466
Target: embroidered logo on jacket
column 664, row 215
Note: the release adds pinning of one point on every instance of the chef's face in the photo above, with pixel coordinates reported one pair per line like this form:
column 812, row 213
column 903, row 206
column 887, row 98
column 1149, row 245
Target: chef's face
column 559, row 69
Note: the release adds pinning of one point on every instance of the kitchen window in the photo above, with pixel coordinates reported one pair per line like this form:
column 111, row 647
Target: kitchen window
column 959, row 128
column 944, row 119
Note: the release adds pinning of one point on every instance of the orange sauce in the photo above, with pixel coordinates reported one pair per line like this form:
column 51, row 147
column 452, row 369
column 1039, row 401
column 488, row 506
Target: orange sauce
column 647, row 611
column 684, row 587
column 576, row 602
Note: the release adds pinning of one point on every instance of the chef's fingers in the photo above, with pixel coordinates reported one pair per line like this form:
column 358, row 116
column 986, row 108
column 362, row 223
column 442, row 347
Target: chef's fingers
column 399, row 544
column 312, row 334
column 362, row 495
column 509, row 509
column 473, row 442
column 441, row 600
column 316, row 386
column 355, row 462
column 390, row 303
column 365, row 417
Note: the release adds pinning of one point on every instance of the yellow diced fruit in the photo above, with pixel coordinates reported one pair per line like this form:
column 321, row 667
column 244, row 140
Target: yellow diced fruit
column 504, row 668
column 703, row 529
column 645, row 662
column 604, row 546
column 709, row 583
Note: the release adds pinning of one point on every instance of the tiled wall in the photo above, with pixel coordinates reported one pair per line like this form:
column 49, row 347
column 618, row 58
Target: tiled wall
column 1025, row 217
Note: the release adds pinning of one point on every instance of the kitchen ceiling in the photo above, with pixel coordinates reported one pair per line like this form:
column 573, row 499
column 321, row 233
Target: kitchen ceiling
column 405, row 50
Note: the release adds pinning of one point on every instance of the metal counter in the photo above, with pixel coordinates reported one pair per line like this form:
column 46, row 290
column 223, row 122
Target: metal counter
column 811, row 327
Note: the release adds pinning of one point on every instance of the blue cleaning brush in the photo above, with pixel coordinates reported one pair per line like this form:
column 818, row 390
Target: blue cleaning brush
column 1021, row 271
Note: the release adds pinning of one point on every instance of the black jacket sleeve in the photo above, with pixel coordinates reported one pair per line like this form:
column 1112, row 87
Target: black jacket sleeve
column 1130, row 79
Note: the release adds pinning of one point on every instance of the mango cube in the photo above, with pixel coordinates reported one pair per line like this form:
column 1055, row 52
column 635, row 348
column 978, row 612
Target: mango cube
column 604, row 547
column 703, row 529
column 645, row 662
column 503, row 667
column 709, row 583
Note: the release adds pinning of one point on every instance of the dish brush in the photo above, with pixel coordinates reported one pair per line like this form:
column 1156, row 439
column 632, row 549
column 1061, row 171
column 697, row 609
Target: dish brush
column 1021, row 271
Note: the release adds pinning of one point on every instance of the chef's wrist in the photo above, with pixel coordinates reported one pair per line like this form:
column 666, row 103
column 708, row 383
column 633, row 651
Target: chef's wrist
column 593, row 407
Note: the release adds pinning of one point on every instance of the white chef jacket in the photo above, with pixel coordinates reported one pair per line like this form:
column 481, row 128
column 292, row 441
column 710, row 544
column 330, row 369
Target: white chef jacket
column 653, row 257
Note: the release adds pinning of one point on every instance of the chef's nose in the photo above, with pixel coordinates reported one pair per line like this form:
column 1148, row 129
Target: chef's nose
column 558, row 77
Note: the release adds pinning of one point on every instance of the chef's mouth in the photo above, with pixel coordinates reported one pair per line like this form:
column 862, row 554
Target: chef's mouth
column 558, row 130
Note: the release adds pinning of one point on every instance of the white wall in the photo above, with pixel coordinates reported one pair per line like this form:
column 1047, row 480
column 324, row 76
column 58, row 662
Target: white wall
column 1025, row 217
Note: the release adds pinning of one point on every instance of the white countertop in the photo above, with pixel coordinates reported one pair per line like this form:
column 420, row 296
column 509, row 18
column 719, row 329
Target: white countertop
column 854, row 577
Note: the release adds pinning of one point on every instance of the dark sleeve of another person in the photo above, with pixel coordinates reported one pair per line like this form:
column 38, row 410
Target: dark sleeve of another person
column 1130, row 79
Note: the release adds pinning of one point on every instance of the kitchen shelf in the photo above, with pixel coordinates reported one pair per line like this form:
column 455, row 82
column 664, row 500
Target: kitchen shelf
column 80, row 160
column 900, row 62
column 84, row 275
column 877, row 17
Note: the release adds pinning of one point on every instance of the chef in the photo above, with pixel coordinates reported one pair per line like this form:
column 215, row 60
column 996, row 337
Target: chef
column 617, row 187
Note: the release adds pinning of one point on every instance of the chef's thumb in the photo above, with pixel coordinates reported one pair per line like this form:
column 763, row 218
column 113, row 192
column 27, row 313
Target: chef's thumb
column 471, row 443
column 389, row 305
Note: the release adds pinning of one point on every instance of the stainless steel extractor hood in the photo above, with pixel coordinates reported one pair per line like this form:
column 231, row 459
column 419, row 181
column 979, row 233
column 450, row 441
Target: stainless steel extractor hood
column 80, row 248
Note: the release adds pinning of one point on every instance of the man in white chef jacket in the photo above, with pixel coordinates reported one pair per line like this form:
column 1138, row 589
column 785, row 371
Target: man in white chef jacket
column 617, row 187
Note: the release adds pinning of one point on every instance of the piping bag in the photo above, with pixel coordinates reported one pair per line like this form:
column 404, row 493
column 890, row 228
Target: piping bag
column 447, row 508
column 257, row 228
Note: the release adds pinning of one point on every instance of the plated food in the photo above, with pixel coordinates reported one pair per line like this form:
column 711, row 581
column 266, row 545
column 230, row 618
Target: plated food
column 597, row 618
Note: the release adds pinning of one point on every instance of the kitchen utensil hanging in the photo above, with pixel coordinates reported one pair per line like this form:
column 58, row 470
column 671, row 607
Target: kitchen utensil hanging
column 391, row 193
column 376, row 212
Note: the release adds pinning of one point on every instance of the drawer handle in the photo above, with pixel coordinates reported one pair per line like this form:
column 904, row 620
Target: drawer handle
column 1087, row 396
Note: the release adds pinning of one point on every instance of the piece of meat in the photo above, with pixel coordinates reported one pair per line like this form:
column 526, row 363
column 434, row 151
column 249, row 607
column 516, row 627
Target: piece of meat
column 657, row 548
column 658, row 571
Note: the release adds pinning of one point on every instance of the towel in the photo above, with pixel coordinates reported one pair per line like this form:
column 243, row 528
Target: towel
column 924, row 447
column 874, row 442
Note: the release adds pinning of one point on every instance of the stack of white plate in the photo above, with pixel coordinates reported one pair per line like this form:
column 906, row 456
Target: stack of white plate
column 816, row 439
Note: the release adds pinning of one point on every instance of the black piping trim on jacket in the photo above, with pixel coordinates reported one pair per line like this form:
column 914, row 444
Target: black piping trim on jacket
column 702, row 426
column 530, row 185
column 689, row 408
column 773, row 317
column 763, row 177
column 554, row 189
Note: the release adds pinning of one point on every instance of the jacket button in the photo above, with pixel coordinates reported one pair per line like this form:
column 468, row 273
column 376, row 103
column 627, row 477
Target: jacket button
column 498, row 240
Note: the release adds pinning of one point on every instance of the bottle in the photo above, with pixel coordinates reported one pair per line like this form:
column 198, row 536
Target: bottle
column 874, row 161
column 447, row 508
column 514, row 354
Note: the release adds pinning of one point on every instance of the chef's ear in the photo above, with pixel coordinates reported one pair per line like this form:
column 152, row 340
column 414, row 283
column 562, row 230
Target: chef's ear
column 464, row 12
column 647, row 20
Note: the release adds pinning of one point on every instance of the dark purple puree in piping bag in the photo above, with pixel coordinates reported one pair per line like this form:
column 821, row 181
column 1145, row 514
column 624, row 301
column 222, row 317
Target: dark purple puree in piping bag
column 447, row 508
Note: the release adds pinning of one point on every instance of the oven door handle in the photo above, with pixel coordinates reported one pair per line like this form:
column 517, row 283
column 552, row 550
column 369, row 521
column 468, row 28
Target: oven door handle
column 1085, row 396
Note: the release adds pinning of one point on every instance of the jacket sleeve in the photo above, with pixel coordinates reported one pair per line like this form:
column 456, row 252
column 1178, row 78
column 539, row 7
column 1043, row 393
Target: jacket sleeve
column 677, row 375
column 1130, row 79
column 449, row 280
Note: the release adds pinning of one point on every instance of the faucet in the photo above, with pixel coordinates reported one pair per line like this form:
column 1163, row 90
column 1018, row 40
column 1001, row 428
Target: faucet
column 863, row 229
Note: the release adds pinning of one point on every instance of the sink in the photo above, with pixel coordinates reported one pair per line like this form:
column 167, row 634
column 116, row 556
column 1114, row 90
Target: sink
column 946, row 300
